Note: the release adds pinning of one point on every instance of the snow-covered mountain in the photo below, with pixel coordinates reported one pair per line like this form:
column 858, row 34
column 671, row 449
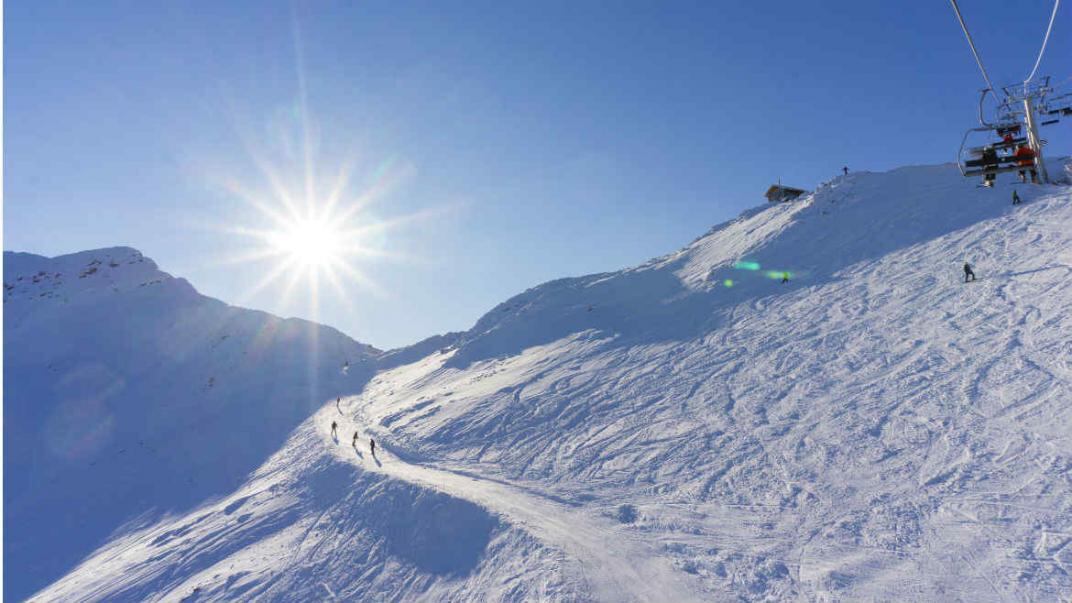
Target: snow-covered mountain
column 691, row 429
column 128, row 395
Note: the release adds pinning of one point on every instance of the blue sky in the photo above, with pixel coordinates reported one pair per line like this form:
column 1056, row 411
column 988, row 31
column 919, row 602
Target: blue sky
column 513, row 142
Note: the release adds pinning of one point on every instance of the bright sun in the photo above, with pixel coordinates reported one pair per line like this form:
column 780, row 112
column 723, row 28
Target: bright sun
column 310, row 242
column 313, row 225
column 310, row 232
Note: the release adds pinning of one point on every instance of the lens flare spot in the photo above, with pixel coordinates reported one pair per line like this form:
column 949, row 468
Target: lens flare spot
column 727, row 283
column 79, row 429
column 81, row 423
column 747, row 266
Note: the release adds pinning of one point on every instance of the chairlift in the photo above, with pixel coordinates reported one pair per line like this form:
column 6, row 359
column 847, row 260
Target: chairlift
column 1024, row 102
column 992, row 149
column 999, row 146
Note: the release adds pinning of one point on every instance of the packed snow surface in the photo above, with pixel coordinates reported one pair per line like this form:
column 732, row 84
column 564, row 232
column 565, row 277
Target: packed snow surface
column 690, row 429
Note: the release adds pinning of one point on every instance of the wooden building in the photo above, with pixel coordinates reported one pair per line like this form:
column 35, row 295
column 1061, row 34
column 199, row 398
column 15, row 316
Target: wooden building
column 777, row 193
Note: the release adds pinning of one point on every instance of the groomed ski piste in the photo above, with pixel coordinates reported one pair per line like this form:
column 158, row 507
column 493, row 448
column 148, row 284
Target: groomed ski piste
column 691, row 429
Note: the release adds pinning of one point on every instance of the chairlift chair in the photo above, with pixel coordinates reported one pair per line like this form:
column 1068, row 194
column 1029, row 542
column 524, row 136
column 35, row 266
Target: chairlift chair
column 971, row 160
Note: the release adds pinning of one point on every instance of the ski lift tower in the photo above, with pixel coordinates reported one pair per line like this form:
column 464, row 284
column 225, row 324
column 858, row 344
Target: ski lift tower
column 1028, row 101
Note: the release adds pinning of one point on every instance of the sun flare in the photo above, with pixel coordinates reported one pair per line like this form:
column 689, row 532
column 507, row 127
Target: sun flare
column 315, row 222
column 305, row 240
column 309, row 242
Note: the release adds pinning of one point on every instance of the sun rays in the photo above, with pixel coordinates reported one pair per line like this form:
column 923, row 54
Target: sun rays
column 305, row 241
column 306, row 216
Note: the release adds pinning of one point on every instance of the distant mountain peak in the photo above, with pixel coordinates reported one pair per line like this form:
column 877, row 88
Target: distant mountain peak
column 67, row 278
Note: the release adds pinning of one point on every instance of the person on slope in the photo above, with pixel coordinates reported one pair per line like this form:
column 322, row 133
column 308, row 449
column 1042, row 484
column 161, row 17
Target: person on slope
column 354, row 442
column 372, row 446
column 1015, row 197
column 334, row 428
column 845, row 170
column 968, row 274
column 785, row 277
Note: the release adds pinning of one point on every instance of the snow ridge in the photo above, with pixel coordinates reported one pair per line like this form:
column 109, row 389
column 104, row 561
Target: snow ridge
column 128, row 395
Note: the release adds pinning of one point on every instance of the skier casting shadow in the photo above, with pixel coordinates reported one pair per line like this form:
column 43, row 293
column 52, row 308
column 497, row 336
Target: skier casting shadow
column 968, row 274
column 372, row 448
column 334, row 431
column 353, row 444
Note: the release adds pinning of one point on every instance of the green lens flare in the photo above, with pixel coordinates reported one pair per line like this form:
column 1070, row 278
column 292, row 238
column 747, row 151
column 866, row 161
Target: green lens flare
column 746, row 265
column 778, row 274
column 728, row 282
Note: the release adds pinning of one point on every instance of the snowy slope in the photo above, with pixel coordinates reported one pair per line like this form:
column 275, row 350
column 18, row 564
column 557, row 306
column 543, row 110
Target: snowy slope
column 128, row 394
column 688, row 429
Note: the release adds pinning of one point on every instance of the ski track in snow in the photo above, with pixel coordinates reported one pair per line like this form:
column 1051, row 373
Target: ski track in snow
column 618, row 567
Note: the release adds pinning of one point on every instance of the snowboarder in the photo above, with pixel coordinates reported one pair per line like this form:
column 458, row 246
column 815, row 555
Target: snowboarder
column 968, row 274
column 1015, row 197
column 334, row 426
column 354, row 442
column 372, row 446
column 785, row 277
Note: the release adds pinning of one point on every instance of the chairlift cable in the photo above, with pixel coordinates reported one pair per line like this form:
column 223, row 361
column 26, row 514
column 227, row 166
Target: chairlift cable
column 1045, row 39
column 975, row 52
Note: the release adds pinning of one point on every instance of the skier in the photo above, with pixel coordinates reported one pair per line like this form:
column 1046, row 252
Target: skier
column 372, row 446
column 990, row 162
column 785, row 277
column 337, row 404
column 845, row 170
column 1015, row 197
column 334, row 426
column 354, row 442
column 968, row 274
column 1025, row 159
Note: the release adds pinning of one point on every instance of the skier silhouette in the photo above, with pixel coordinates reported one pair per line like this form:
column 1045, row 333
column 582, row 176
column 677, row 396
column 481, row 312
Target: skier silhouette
column 1015, row 198
column 990, row 165
column 845, row 170
column 1025, row 160
column 785, row 277
column 372, row 446
column 334, row 426
column 968, row 274
column 354, row 443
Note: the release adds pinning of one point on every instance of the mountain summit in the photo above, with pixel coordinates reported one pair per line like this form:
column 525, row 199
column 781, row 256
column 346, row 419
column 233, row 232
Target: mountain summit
column 128, row 395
